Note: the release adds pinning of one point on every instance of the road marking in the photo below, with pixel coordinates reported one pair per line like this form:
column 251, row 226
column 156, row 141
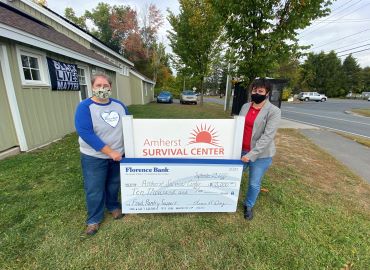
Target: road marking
column 307, row 123
column 328, row 117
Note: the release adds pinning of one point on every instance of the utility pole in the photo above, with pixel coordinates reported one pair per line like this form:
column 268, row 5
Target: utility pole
column 228, row 88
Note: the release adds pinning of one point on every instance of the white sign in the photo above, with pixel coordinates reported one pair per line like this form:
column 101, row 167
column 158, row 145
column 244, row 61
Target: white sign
column 183, row 138
column 179, row 185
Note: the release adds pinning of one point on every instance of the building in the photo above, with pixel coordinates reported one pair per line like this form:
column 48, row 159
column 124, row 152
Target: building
column 46, row 63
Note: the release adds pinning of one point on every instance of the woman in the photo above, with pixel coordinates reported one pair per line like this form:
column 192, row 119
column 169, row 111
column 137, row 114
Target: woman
column 99, row 126
column 261, row 122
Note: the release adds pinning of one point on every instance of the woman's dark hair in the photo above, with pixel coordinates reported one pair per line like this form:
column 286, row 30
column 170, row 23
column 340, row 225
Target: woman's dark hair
column 261, row 83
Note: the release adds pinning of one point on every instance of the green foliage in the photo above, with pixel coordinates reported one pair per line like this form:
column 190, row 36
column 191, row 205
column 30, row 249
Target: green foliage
column 352, row 81
column 287, row 93
column 100, row 16
column 290, row 70
column 194, row 37
column 366, row 78
column 119, row 28
column 40, row 2
column 263, row 32
column 69, row 13
column 323, row 73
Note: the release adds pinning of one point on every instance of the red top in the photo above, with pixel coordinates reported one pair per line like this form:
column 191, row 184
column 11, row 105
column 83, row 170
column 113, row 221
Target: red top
column 248, row 127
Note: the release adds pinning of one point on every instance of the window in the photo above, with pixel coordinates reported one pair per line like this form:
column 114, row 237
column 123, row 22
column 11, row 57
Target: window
column 32, row 66
column 124, row 70
column 82, row 79
column 31, row 69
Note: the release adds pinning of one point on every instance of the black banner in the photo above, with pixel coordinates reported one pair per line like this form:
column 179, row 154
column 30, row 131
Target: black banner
column 63, row 76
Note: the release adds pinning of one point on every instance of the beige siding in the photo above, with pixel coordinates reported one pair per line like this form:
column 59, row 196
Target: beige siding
column 46, row 115
column 123, row 86
column 148, row 92
column 136, row 93
column 112, row 74
column 60, row 28
column 8, row 136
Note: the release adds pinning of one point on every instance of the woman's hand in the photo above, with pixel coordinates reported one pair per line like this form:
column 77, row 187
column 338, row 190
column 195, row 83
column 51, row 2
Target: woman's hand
column 245, row 159
column 116, row 156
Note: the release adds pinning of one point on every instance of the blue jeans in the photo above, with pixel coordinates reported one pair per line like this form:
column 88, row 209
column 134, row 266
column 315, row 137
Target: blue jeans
column 257, row 170
column 101, row 185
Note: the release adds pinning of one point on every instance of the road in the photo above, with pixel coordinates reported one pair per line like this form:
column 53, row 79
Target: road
column 331, row 115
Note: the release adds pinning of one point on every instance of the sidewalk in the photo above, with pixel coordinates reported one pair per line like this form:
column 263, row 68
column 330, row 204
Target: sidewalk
column 284, row 123
column 353, row 155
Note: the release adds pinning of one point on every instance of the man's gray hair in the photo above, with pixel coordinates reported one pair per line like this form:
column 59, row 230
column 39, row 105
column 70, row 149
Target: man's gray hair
column 101, row 75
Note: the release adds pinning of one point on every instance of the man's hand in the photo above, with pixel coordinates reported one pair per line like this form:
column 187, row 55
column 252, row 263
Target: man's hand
column 245, row 159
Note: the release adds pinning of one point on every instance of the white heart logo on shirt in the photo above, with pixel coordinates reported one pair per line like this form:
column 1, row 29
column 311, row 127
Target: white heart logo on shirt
column 111, row 118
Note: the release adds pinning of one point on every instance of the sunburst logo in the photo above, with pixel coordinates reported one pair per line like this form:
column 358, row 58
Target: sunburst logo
column 204, row 134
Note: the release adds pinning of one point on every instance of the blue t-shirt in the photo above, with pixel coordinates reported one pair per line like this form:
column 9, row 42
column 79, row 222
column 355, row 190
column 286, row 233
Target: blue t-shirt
column 98, row 125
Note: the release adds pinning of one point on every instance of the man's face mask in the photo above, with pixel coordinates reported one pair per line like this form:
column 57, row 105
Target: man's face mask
column 102, row 92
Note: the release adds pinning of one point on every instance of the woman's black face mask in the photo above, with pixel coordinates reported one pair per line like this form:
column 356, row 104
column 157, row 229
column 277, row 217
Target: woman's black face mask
column 257, row 98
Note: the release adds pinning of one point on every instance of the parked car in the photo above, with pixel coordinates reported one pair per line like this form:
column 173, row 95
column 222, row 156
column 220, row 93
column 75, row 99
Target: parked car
column 307, row 96
column 165, row 97
column 368, row 99
column 188, row 96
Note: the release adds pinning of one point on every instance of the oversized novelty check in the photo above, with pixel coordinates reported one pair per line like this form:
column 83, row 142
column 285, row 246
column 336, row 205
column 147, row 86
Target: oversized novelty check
column 180, row 185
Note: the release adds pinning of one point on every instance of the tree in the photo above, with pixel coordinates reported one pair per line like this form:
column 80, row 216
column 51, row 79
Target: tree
column 352, row 79
column 366, row 79
column 69, row 13
column 119, row 28
column 263, row 32
column 194, row 37
column 290, row 70
column 125, row 28
column 151, row 21
column 101, row 16
column 323, row 73
column 41, row 2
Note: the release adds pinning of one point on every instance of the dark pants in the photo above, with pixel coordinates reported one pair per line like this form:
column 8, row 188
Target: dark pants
column 101, row 185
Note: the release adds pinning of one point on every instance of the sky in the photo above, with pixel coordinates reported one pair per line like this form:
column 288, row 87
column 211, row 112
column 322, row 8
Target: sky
column 345, row 30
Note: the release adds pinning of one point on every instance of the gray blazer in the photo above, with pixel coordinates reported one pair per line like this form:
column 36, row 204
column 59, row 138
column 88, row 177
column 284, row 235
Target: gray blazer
column 264, row 130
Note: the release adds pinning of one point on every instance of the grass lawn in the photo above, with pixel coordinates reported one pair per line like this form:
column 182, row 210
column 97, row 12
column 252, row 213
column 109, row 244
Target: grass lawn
column 316, row 215
column 363, row 112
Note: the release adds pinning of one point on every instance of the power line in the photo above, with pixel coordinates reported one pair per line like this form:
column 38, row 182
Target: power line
column 354, row 48
column 347, row 21
column 354, row 52
column 332, row 15
column 338, row 18
column 351, row 44
column 352, row 11
column 342, row 38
